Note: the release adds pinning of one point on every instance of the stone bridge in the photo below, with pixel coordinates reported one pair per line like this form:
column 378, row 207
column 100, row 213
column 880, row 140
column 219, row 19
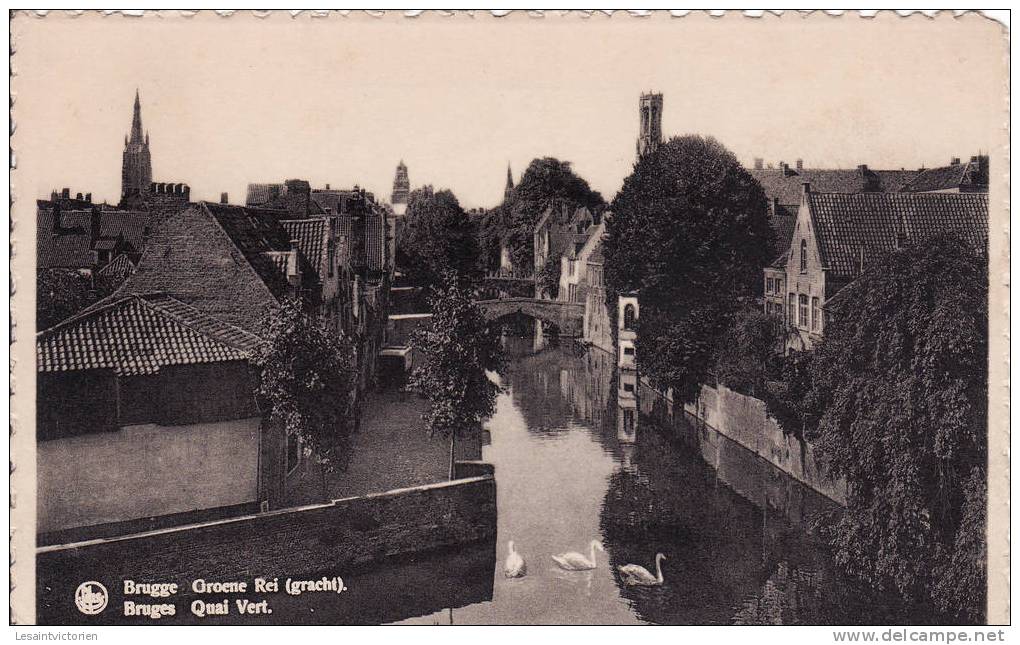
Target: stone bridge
column 567, row 316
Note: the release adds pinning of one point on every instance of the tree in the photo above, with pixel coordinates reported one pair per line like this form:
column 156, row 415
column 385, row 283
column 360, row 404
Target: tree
column 748, row 351
column 435, row 236
column 690, row 233
column 549, row 276
column 62, row 294
column 546, row 182
column 454, row 351
column 306, row 383
column 902, row 379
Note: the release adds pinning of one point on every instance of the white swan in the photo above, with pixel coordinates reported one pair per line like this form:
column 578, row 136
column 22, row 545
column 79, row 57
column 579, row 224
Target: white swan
column 515, row 566
column 635, row 574
column 574, row 561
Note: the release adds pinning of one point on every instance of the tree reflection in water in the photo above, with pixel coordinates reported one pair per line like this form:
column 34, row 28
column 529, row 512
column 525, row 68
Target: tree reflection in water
column 734, row 555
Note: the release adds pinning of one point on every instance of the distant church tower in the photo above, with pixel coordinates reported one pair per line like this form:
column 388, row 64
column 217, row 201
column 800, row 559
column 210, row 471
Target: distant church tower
column 401, row 189
column 136, row 171
column 509, row 184
column 650, row 106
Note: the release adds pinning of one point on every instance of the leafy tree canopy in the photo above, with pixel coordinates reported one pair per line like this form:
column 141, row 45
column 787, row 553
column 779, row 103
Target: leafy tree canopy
column 690, row 232
column 306, row 381
column 453, row 352
column 436, row 235
column 901, row 378
column 747, row 352
column 62, row 294
column 546, row 182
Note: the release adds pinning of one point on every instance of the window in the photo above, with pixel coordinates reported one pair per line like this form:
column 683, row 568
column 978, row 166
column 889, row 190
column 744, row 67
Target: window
column 628, row 317
column 803, row 256
column 628, row 351
column 803, row 320
column 778, row 285
column 293, row 452
column 768, row 285
column 332, row 257
column 815, row 315
column 792, row 313
column 628, row 387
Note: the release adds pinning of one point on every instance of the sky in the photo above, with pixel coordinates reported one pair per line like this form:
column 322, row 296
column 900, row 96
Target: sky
column 228, row 101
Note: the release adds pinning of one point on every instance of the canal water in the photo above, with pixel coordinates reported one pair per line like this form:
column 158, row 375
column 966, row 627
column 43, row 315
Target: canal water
column 573, row 464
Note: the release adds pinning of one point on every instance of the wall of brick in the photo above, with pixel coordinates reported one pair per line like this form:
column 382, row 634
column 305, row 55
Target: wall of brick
column 744, row 420
column 338, row 536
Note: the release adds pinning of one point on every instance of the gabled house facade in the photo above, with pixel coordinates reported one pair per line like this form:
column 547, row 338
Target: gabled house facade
column 838, row 235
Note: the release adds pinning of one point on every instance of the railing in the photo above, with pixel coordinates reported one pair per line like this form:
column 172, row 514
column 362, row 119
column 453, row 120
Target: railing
column 510, row 274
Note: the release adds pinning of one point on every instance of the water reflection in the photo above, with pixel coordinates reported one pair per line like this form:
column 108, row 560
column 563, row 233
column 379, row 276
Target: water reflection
column 580, row 455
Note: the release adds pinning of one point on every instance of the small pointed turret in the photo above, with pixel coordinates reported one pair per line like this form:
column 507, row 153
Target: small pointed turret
column 509, row 183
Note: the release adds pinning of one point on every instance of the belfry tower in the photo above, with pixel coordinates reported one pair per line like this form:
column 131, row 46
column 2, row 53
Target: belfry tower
column 401, row 189
column 136, row 171
column 650, row 136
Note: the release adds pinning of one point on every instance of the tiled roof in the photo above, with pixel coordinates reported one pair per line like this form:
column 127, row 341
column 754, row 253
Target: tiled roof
column 120, row 267
column 786, row 185
column 70, row 245
column 255, row 233
column 856, row 227
column 215, row 258
column 344, row 226
column 312, row 236
column 967, row 175
column 783, row 221
column 375, row 240
column 138, row 334
column 780, row 261
column 259, row 194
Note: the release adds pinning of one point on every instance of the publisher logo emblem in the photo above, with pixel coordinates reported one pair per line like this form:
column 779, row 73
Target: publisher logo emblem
column 91, row 598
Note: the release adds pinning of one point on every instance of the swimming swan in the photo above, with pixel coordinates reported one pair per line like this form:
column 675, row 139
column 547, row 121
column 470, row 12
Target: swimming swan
column 635, row 574
column 515, row 566
column 574, row 561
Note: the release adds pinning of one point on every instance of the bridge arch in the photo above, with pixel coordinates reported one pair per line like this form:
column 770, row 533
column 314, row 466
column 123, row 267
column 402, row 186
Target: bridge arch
column 567, row 316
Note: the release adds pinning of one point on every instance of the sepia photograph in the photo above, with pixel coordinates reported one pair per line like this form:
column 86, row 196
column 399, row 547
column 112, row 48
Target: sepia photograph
column 581, row 318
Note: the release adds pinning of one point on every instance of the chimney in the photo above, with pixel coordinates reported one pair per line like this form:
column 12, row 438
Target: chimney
column 759, row 163
column 95, row 225
column 88, row 197
column 66, row 193
column 327, row 186
column 863, row 167
column 955, row 161
column 79, row 197
column 800, row 164
column 224, row 198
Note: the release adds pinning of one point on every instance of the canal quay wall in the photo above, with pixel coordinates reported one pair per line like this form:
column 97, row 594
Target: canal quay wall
column 336, row 536
column 746, row 421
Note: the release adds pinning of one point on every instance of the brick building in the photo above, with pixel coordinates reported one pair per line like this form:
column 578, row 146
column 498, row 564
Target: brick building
column 147, row 418
column 837, row 236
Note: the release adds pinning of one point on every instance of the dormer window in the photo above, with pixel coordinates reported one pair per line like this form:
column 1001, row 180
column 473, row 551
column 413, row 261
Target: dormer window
column 803, row 256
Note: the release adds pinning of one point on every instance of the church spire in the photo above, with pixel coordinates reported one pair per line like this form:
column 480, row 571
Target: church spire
column 509, row 183
column 136, row 121
column 136, row 169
